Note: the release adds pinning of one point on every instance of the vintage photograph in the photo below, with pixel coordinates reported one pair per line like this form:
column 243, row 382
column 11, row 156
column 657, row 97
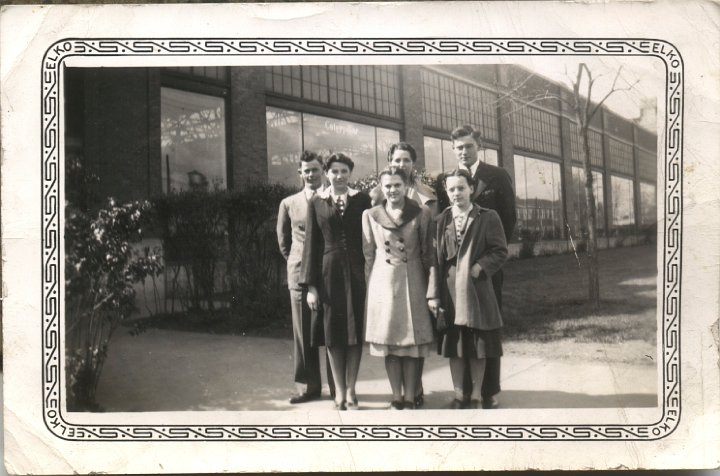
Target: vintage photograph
column 359, row 237
column 339, row 237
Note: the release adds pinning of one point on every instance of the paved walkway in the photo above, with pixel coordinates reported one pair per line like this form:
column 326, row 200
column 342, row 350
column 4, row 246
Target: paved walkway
column 163, row 370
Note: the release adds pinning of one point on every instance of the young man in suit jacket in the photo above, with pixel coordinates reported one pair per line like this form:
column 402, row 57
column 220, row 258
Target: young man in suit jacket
column 493, row 190
column 292, row 217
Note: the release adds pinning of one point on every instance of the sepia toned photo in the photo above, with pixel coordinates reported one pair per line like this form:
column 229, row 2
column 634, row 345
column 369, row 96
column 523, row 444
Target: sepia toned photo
column 196, row 182
column 277, row 237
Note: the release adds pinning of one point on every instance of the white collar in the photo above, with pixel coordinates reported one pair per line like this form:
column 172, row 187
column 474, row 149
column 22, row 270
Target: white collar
column 309, row 192
column 473, row 168
column 328, row 193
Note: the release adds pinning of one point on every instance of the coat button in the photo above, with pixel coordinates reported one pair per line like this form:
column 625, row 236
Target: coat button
column 387, row 243
column 387, row 250
column 401, row 240
column 404, row 260
column 401, row 248
column 387, row 261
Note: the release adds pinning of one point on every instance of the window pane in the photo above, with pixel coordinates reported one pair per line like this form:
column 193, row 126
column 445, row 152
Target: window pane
column 385, row 138
column 192, row 139
column 326, row 135
column 284, row 145
column 539, row 202
column 489, row 156
column 623, row 203
column 648, row 203
column 433, row 156
column 448, row 153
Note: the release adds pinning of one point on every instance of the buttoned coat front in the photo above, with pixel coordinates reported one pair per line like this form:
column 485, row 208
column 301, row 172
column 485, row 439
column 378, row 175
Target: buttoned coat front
column 399, row 256
column 334, row 263
column 484, row 243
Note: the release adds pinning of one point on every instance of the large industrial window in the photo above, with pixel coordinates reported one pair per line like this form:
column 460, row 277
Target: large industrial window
column 193, row 140
column 291, row 132
column 595, row 142
column 538, row 199
column 370, row 89
column 449, row 103
column 623, row 201
column 621, row 156
column 537, row 130
column 578, row 219
column 648, row 203
column 647, row 165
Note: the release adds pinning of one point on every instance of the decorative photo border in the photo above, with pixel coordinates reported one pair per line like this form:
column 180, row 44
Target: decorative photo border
column 52, row 302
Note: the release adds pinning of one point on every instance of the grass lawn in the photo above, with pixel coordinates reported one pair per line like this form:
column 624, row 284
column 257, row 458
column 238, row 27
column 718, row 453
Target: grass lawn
column 545, row 298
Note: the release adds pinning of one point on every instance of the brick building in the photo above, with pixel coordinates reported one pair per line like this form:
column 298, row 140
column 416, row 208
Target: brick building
column 144, row 130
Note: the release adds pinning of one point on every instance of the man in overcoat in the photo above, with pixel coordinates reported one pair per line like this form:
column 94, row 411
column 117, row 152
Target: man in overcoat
column 493, row 190
column 292, row 217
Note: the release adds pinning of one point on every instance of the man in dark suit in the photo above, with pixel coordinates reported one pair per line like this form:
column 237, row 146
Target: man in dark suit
column 493, row 190
column 292, row 217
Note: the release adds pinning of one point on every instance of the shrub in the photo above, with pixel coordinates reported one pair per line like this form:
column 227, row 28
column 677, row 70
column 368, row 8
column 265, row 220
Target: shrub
column 101, row 266
column 528, row 239
column 194, row 233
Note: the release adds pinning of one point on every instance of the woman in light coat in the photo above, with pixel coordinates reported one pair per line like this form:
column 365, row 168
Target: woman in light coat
column 470, row 248
column 397, row 244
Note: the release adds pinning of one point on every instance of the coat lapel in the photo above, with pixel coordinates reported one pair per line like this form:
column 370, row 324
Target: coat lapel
column 409, row 212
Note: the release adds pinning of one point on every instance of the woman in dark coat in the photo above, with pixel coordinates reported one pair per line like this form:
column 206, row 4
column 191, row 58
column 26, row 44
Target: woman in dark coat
column 333, row 269
column 471, row 247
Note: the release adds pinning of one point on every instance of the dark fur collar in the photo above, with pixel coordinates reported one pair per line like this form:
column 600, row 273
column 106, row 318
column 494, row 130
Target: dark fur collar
column 409, row 211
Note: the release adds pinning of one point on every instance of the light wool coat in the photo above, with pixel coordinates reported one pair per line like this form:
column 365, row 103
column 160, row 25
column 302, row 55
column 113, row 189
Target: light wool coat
column 398, row 259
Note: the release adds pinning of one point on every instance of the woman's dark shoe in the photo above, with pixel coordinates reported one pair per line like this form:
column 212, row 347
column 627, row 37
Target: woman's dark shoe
column 397, row 405
column 457, row 404
column 474, row 404
column 409, row 406
column 419, row 399
column 340, row 406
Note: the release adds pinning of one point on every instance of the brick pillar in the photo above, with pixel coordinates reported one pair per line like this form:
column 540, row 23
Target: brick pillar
column 607, row 182
column 247, row 155
column 117, row 122
column 413, row 111
column 505, row 126
column 636, row 182
column 567, row 184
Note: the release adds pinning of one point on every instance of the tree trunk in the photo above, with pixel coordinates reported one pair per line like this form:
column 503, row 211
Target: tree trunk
column 593, row 271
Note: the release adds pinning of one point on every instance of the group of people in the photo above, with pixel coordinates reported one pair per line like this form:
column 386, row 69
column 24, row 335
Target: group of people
column 404, row 268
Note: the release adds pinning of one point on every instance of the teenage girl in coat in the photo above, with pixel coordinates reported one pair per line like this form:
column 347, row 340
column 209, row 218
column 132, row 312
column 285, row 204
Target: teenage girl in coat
column 471, row 247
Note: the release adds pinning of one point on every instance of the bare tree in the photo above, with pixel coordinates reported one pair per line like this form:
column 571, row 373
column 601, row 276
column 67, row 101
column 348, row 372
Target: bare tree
column 581, row 103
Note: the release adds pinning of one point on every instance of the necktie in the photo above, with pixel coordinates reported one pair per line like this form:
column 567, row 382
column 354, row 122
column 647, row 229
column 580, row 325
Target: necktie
column 460, row 222
column 340, row 205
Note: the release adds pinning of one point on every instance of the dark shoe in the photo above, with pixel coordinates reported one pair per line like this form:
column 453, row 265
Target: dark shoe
column 397, row 405
column 490, row 403
column 353, row 404
column 340, row 406
column 473, row 404
column 304, row 397
column 409, row 406
column 419, row 399
column 457, row 404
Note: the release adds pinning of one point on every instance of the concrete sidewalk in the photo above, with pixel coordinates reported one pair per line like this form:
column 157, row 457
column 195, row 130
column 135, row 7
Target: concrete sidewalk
column 163, row 370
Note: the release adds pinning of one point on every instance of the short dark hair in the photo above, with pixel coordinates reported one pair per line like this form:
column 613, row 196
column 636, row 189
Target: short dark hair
column 460, row 173
column 394, row 170
column 464, row 131
column 339, row 157
column 402, row 146
column 308, row 156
